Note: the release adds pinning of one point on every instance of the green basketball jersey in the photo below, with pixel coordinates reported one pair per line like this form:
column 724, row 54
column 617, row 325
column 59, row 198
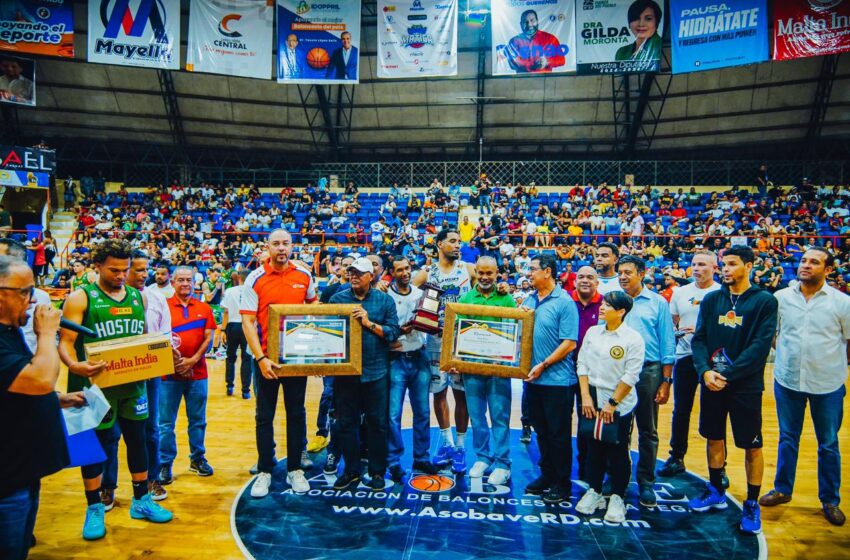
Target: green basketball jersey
column 110, row 319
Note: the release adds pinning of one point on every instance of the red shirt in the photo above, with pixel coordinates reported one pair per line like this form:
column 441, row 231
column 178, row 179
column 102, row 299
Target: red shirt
column 525, row 52
column 190, row 323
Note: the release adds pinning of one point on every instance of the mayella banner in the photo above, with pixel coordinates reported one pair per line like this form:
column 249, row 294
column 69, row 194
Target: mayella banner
column 318, row 43
column 417, row 39
column 231, row 37
column 804, row 28
column 135, row 33
column 37, row 27
column 17, row 82
column 617, row 36
column 533, row 36
column 708, row 35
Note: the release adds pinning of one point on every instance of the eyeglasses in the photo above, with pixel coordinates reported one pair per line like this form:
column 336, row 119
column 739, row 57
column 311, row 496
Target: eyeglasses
column 23, row 292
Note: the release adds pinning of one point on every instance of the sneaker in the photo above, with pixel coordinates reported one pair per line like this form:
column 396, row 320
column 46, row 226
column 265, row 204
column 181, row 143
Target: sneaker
column 157, row 492
column 331, row 465
column 317, row 443
column 537, row 486
column 590, row 502
column 672, row 467
column 254, row 469
column 444, row 455
column 647, row 496
column 165, row 477
column 346, row 481
column 616, row 512
column 459, row 460
column 499, row 476
column 146, row 508
column 526, row 435
column 426, row 467
column 221, row 354
column 556, row 495
column 710, row 499
column 377, row 482
column 260, row 489
column 478, row 469
column 230, row 391
column 200, row 467
column 834, row 515
column 724, row 480
column 298, row 482
column 246, row 395
column 94, row 527
column 306, row 461
column 774, row 498
column 397, row 473
column 751, row 518
column 107, row 498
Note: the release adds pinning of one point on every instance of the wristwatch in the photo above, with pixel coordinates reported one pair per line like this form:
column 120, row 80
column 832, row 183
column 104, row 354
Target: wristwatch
column 667, row 380
column 613, row 402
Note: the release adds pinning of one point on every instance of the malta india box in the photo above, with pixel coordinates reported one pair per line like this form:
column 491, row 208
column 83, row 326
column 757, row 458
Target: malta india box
column 132, row 358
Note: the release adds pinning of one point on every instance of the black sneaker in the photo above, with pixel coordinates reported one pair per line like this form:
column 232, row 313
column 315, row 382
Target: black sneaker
column 346, row 481
column 107, row 498
column 165, row 477
column 672, row 467
column 724, row 480
column 397, row 473
column 230, row 391
column 647, row 496
column 200, row 467
column 426, row 467
column 377, row 482
column 332, row 464
column 537, row 486
column 556, row 495
column 526, row 435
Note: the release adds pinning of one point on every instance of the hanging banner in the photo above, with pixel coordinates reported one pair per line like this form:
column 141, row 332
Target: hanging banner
column 24, row 179
column 135, row 33
column 231, row 37
column 708, row 35
column 318, row 43
column 417, row 39
column 804, row 28
column 37, row 27
column 533, row 36
column 20, row 158
column 17, row 82
column 619, row 36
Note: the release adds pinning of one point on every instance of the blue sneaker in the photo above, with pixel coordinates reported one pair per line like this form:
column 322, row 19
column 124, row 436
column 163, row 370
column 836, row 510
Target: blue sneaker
column 148, row 509
column 459, row 460
column 444, row 455
column 94, row 527
column 710, row 499
column 751, row 520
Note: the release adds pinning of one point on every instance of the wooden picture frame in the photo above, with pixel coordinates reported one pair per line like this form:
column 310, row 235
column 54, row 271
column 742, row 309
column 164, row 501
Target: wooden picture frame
column 448, row 358
column 346, row 365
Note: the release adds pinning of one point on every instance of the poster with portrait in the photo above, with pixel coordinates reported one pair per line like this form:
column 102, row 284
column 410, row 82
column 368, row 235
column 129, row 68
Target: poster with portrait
column 803, row 28
column 37, row 27
column 709, row 35
column 318, row 43
column 17, row 82
column 619, row 36
column 417, row 39
column 533, row 37
column 142, row 33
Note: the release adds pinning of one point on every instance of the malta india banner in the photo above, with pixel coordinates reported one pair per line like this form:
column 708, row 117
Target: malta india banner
column 709, row 35
column 533, row 36
column 804, row 28
column 617, row 36
column 37, row 27
column 231, row 37
column 417, row 39
column 318, row 43
column 135, row 33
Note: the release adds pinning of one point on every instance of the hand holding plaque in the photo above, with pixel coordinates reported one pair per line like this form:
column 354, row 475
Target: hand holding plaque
column 427, row 316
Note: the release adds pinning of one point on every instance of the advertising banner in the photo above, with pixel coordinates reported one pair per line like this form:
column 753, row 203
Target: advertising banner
column 318, row 43
column 804, row 28
column 417, row 39
column 533, row 36
column 619, row 36
column 135, row 33
column 27, row 159
column 24, row 179
column 37, row 27
column 231, row 37
column 17, row 82
column 709, row 35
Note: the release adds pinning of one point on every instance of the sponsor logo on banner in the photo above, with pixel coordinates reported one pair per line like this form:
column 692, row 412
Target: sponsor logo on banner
column 27, row 159
column 223, row 26
column 38, row 27
column 426, row 29
column 533, row 36
column 611, row 44
column 135, row 32
column 803, row 28
column 416, row 38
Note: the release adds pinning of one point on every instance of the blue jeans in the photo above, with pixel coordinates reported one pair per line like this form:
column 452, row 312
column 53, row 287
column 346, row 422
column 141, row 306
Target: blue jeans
column 110, row 466
column 17, row 520
column 412, row 374
column 326, row 402
column 827, row 412
column 195, row 394
column 494, row 393
column 485, row 205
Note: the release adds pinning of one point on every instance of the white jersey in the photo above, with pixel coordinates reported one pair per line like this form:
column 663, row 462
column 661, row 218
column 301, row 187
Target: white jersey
column 608, row 285
column 406, row 308
column 685, row 303
column 454, row 284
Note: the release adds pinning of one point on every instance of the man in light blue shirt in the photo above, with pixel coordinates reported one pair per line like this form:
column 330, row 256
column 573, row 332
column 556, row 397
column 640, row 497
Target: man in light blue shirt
column 651, row 317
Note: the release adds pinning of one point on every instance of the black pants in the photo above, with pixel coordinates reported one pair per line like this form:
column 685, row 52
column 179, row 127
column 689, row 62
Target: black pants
column 236, row 342
column 581, row 444
column 615, row 459
column 685, row 383
column 135, row 438
column 294, row 389
column 372, row 399
column 551, row 411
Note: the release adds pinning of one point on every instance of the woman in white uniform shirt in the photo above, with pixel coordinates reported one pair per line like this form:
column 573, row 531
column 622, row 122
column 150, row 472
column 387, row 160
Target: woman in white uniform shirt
column 609, row 365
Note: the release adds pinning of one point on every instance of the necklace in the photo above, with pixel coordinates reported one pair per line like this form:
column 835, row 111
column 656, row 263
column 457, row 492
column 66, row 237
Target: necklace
column 734, row 302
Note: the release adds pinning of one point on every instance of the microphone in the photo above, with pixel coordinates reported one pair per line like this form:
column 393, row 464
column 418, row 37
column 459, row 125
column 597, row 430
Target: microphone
column 77, row 328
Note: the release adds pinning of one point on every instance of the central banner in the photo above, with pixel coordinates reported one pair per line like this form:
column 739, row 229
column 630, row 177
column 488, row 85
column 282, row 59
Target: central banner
column 619, row 36
column 533, row 36
column 135, row 33
column 417, row 39
column 318, row 43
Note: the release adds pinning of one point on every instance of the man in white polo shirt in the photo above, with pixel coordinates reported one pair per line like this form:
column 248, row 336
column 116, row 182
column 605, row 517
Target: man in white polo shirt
column 235, row 336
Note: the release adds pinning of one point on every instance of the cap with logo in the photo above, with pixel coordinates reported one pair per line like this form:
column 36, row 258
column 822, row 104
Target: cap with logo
column 363, row 265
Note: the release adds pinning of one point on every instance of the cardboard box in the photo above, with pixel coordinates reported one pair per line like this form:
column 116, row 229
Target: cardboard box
column 132, row 358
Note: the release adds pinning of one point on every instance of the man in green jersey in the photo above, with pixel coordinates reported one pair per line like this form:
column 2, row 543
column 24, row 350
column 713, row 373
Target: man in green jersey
column 112, row 310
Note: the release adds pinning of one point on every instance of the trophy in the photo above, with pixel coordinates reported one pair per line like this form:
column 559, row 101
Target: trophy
column 427, row 316
column 720, row 362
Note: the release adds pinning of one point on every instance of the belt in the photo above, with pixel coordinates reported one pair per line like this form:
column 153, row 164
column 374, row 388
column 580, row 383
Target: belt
column 408, row 355
column 651, row 364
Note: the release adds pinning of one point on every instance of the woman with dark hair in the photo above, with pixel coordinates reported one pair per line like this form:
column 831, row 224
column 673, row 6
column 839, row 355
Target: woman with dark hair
column 609, row 365
column 644, row 19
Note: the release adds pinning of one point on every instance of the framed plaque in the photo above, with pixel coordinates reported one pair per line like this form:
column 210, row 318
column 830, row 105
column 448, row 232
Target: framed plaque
column 485, row 340
column 314, row 339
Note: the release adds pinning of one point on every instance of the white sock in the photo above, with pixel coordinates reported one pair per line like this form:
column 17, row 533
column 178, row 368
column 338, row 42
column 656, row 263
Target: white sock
column 446, row 437
column 461, row 438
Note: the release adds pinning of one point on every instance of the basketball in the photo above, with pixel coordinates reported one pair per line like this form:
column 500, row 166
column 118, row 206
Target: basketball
column 431, row 483
column 318, row 58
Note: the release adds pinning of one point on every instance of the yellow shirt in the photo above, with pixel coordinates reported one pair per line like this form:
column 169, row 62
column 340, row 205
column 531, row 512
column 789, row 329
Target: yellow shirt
column 574, row 229
column 466, row 231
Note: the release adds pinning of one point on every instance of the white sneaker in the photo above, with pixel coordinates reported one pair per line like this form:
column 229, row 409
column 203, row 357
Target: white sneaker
column 478, row 469
column 260, row 489
column 298, row 482
column 590, row 502
column 499, row 476
column 616, row 509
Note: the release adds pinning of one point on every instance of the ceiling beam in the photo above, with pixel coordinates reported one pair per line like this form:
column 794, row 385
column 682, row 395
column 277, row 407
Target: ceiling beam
column 823, row 91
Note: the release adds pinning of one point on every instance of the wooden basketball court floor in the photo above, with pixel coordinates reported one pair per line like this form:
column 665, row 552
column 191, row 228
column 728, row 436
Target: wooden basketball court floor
column 201, row 526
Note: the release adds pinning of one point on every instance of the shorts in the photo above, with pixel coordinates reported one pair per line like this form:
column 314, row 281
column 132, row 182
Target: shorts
column 40, row 270
column 129, row 408
column 218, row 314
column 440, row 380
column 743, row 410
